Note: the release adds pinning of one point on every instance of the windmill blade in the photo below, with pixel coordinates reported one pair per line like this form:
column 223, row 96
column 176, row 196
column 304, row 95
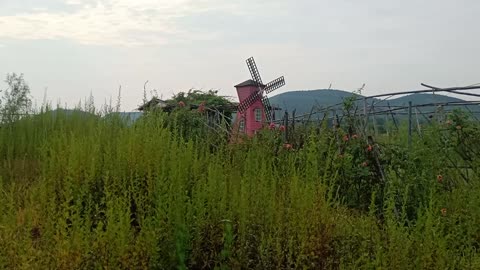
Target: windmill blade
column 275, row 84
column 267, row 108
column 254, row 71
column 249, row 101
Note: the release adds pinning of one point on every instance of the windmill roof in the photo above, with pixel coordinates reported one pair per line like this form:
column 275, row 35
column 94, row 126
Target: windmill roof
column 248, row 83
column 153, row 102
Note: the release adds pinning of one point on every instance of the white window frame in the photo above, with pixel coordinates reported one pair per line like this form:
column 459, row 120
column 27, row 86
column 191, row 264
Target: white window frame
column 241, row 125
column 258, row 114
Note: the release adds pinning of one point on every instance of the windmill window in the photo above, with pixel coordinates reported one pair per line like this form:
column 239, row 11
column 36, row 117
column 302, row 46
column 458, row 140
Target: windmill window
column 258, row 115
column 242, row 126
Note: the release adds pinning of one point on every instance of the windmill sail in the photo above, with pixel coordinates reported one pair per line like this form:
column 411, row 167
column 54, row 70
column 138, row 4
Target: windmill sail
column 248, row 101
column 254, row 71
column 275, row 84
column 267, row 108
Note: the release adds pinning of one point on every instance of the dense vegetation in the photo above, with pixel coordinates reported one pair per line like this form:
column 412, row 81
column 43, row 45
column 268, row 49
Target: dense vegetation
column 80, row 191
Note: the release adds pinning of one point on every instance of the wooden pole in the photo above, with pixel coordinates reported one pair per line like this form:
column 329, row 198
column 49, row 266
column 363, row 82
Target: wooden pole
column 334, row 120
column 365, row 114
column 423, row 114
column 426, row 91
column 386, row 125
column 375, row 132
column 393, row 116
column 418, row 123
column 335, row 131
column 409, row 123
column 293, row 120
column 310, row 115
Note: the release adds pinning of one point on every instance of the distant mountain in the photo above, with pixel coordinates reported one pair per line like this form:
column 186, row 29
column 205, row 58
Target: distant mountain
column 69, row 113
column 418, row 99
column 303, row 101
column 128, row 116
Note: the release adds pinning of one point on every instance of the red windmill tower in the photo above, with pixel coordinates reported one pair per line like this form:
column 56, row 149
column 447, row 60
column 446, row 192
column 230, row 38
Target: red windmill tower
column 254, row 110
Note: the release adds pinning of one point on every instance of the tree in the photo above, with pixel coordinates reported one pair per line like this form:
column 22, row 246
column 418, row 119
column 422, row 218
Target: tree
column 16, row 98
column 197, row 97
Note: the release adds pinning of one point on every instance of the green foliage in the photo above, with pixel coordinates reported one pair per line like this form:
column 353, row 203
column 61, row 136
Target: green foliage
column 196, row 114
column 16, row 100
column 210, row 97
column 83, row 192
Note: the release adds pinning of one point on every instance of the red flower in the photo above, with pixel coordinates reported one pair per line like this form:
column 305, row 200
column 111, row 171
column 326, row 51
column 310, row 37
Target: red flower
column 181, row 104
column 282, row 128
column 365, row 164
column 440, row 178
column 345, row 138
column 369, row 148
column 287, row 146
column 201, row 108
column 354, row 136
column 272, row 126
column 444, row 211
column 449, row 122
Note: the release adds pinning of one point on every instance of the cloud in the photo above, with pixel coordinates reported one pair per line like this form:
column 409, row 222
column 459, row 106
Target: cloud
column 112, row 22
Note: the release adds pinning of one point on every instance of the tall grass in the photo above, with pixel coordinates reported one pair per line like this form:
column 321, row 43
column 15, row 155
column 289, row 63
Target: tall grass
column 83, row 192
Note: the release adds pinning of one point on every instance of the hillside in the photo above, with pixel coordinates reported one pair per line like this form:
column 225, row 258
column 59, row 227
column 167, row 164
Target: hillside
column 417, row 99
column 128, row 116
column 303, row 101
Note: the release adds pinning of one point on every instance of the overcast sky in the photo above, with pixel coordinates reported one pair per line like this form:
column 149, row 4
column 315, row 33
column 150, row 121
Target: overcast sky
column 74, row 47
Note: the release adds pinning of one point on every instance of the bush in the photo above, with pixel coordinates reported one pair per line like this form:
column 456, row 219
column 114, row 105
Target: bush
column 82, row 192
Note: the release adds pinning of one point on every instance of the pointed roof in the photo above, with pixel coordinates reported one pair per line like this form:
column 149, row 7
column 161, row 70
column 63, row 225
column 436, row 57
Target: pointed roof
column 154, row 102
column 248, row 83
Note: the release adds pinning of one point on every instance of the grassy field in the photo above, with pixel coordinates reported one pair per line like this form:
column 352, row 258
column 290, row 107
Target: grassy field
column 78, row 191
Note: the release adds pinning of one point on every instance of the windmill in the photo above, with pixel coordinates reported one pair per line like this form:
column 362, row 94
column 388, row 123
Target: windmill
column 254, row 109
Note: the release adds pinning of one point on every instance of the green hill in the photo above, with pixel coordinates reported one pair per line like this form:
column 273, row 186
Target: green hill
column 418, row 99
column 303, row 101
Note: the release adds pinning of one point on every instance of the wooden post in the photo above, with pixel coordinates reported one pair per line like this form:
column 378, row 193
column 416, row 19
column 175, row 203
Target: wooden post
column 418, row 123
column 375, row 132
column 426, row 118
column 334, row 119
column 386, row 125
column 393, row 116
column 409, row 123
column 293, row 120
column 334, row 125
column 285, row 123
column 310, row 115
column 365, row 114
